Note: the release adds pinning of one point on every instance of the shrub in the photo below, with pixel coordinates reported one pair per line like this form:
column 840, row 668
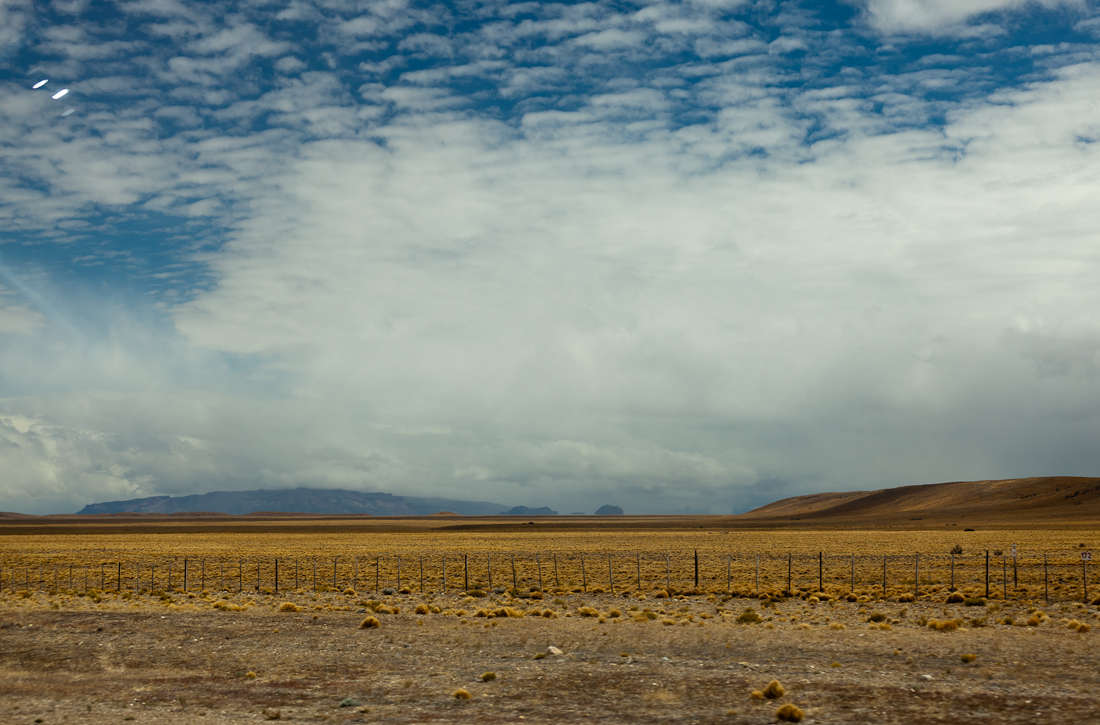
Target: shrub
column 488, row 677
column 974, row 602
column 877, row 617
column 588, row 612
column 949, row 625
column 659, row 595
column 349, row 592
column 789, row 713
column 907, row 598
column 475, row 593
column 614, row 613
column 462, row 694
column 405, row 590
column 955, row 598
column 370, row 623
column 422, row 609
column 749, row 616
column 756, row 695
column 287, row 607
column 774, row 690
column 1083, row 628
column 967, row 659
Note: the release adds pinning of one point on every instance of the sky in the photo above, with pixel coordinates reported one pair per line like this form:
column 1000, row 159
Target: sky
column 680, row 257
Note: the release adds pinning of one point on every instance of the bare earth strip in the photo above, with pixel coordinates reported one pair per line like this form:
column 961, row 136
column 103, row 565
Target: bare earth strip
column 160, row 664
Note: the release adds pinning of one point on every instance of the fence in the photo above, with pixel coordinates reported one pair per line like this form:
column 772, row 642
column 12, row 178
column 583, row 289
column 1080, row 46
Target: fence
column 1050, row 576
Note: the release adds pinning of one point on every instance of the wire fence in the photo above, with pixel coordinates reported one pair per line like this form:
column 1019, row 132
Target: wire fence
column 1053, row 576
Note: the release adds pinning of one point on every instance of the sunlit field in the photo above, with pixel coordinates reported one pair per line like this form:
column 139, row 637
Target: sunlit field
column 857, row 564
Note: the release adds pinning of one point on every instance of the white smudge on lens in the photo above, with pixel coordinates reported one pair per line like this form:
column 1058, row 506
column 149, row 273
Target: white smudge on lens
column 41, row 83
column 60, row 93
column 66, row 113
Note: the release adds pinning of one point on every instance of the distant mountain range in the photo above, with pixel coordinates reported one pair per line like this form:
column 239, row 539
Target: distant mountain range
column 297, row 500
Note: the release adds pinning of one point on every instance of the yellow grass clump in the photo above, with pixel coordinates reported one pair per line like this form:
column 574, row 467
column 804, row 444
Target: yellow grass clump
column 370, row 623
column 789, row 713
column 289, row 607
column 774, row 690
column 462, row 694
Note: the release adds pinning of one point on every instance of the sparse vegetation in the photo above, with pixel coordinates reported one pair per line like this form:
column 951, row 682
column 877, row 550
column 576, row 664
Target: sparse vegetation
column 789, row 713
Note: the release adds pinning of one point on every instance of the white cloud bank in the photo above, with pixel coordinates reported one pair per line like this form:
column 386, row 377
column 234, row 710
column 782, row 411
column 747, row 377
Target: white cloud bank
column 588, row 302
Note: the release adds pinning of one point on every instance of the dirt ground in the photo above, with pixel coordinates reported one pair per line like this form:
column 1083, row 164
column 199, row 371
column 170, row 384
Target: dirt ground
column 160, row 657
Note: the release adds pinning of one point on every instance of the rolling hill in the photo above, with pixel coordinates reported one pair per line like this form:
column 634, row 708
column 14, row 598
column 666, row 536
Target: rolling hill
column 1049, row 497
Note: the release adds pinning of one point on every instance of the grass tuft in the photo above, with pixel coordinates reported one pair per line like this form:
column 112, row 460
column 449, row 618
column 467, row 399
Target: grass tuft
column 462, row 694
column 370, row 623
column 488, row 677
column 749, row 616
column 789, row 713
column 289, row 607
column 774, row 690
column 967, row 659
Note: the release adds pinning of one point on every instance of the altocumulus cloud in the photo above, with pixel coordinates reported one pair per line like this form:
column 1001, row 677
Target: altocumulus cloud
column 682, row 256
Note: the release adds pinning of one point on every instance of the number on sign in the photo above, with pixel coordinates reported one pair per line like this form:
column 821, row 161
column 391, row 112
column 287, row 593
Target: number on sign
column 1086, row 556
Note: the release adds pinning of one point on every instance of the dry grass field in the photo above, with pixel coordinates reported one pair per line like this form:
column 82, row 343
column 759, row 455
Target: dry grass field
column 124, row 649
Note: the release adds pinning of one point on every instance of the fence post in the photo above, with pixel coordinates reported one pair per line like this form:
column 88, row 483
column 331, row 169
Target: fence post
column 729, row 565
column 240, row 575
column 421, row 574
column 512, row 558
column 444, row 573
column 334, row 560
column 315, row 576
column 118, row 584
column 610, row 574
column 399, row 574
column 884, row 575
column 1015, row 579
column 102, row 580
column 987, row 573
column 203, row 562
column 556, row 582
column 853, row 574
column 952, row 572
column 355, row 574
column 758, row 574
column 1085, row 578
column 584, row 577
column 169, row 576
column 638, row 562
column 466, row 571
column 185, row 574
column 489, row 568
column 538, row 564
column 1004, row 575
column 696, row 568
column 257, row 575
column 1046, row 580
column 790, row 558
column 668, row 575
column 820, row 570
column 276, row 575
column 377, row 574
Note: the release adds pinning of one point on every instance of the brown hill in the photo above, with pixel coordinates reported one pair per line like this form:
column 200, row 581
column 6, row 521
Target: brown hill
column 1017, row 499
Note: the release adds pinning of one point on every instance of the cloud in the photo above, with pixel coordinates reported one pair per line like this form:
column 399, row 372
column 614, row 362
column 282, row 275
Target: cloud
column 939, row 16
column 550, row 254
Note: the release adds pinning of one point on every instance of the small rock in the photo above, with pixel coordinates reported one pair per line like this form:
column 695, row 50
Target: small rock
column 927, row 678
column 389, row 590
column 360, row 611
column 553, row 651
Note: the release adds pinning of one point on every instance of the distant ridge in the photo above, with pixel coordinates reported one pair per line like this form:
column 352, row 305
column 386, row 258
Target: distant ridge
column 296, row 500
column 1016, row 499
column 525, row 511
